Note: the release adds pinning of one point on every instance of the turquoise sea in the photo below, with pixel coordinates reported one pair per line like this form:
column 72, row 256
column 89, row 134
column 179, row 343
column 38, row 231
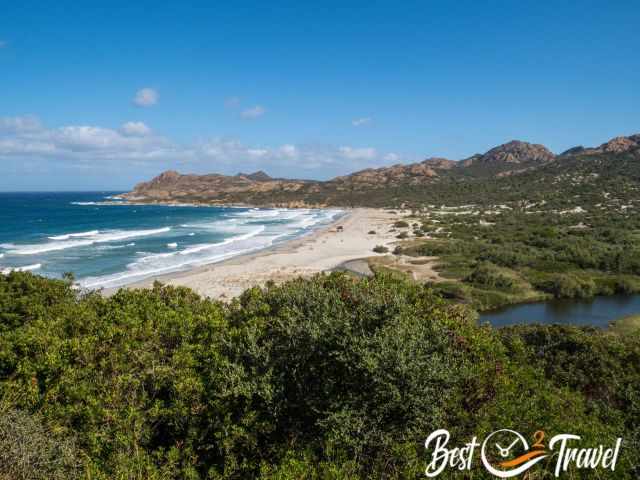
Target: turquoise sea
column 107, row 243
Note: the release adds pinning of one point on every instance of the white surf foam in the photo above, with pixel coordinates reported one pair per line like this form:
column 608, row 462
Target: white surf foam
column 99, row 237
column 247, row 231
column 245, row 236
column 67, row 236
column 266, row 213
column 158, row 263
column 26, row 268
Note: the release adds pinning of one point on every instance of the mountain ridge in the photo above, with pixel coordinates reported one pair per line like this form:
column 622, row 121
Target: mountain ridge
column 259, row 189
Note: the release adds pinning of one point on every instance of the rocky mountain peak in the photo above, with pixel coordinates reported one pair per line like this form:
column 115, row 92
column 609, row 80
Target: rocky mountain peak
column 166, row 176
column 517, row 152
column 259, row 176
column 621, row 144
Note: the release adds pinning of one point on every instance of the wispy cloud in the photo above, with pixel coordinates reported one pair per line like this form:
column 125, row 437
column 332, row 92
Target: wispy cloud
column 254, row 112
column 3, row 43
column 26, row 137
column 146, row 97
column 358, row 122
column 135, row 143
column 351, row 153
column 135, row 128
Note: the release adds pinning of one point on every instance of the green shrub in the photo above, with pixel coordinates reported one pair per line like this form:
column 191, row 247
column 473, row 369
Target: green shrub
column 30, row 450
column 320, row 378
column 380, row 249
column 569, row 286
column 489, row 276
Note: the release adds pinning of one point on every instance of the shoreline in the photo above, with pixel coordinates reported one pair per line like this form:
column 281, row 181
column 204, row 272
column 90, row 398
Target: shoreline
column 321, row 250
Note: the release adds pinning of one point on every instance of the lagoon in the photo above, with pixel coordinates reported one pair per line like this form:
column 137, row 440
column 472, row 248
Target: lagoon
column 597, row 312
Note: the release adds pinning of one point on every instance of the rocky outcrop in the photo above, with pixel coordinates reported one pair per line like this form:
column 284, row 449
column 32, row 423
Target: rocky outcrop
column 438, row 163
column 615, row 145
column 258, row 176
column 171, row 186
column 515, row 153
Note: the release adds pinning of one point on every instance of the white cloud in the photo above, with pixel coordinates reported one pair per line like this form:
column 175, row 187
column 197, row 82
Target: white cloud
column 146, row 97
column 257, row 152
column 135, row 128
column 135, row 143
column 254, row 112
column 27, row 137
column 351, row 153
column 289, row 150
column 391, row 157
column 358, row 122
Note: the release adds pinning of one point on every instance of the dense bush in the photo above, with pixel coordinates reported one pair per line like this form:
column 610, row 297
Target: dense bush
column 324, row 378
column 544, row 254
column 29, row 450
column 569, row 286
column 486, row 274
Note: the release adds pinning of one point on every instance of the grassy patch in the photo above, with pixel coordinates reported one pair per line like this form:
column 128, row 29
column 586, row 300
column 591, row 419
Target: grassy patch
column 626, row 325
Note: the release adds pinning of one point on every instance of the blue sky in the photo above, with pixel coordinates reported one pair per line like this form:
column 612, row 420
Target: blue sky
column 102, row 96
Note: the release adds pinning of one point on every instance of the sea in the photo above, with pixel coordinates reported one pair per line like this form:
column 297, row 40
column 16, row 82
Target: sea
column 106, row 242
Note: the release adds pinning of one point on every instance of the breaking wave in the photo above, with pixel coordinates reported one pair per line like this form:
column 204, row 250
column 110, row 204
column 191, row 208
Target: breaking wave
column 100, row 256
column 88, row 238
column 26, row 268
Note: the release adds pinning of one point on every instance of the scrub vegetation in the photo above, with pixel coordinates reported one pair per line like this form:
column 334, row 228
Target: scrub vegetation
column 325, row 378
column 497, row 256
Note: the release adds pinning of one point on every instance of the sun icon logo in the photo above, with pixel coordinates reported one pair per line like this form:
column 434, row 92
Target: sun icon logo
column 505, row 453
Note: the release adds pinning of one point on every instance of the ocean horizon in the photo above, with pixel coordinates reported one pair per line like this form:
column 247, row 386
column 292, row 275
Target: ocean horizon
column 108, row 243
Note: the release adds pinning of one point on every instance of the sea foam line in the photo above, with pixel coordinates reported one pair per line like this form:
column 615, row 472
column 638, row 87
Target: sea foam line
column 159, row 263
column 26, row 268
column 67, row 236
column 98, row 238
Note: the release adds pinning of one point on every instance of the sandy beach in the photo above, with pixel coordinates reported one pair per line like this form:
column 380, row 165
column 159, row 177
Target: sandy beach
column 321, row 250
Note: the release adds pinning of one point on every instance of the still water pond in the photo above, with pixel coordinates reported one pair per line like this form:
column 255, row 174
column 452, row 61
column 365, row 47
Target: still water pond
column 598, row 312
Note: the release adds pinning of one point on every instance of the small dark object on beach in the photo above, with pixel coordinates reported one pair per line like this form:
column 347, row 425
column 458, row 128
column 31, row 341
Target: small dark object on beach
column 372, row 232
column 380, row 249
